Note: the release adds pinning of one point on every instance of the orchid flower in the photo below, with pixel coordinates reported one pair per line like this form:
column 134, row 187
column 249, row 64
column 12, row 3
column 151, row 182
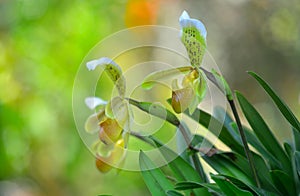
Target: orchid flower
column 111, row 121
column 193, row 86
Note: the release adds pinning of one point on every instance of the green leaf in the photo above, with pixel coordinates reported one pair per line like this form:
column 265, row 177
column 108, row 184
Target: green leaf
column 296, row 135
column 182, row 170
column 228, row 187
column 154, row 178
column 173, row 193
column 252, row 139
column 217, row 128
column 188, row 185
column 282, row 106
column 263, row 132
column 224, row 165
column 288, row 148
column 283, row 182
column 297, row 160
column 154, row 77
column 253, row 189
column 194, row 185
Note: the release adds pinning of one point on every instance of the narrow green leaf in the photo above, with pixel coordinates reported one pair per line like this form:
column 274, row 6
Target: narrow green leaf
column 182, row 170
column 289, row 150
column 224, row 165
column 173, row 193
column 217, row 128
column 194, row 185
column 297, row 160
column 228, row 187
column 154, row 77
column 296, row 136
column 283, row 182
column 154, row 178
column 188, row 185
column 282, row 106
column 252, row 139
column 253, row 189
column 263, row 132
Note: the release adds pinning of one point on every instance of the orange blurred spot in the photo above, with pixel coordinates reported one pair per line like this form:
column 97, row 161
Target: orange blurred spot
column 141, row 12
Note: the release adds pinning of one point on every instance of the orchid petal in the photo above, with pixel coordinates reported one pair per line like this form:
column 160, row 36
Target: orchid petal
column 200, row 88
column 91, row 65
column 92, row 124
column 93, row 102
column 119, row 109
column 113, row 69
column 153, row 78
column 186, row 21
column 193, row 36
column 184, row 16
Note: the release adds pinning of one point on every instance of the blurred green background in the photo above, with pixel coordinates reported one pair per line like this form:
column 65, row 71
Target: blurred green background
column 42, row 44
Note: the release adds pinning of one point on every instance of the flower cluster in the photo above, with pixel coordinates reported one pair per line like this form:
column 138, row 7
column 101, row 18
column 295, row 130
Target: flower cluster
column 111, row 121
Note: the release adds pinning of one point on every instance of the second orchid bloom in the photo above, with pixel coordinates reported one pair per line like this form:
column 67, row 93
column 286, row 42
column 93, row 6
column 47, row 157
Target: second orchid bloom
column 111, row 121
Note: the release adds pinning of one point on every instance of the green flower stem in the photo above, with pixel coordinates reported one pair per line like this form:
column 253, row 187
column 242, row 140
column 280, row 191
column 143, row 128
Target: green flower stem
column 245, row 143
column 248, row 153
column 171, row 118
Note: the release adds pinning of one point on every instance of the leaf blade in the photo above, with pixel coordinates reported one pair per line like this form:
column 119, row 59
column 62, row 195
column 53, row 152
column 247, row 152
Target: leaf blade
column 263, row 132
column 154, row 178
column 282, row 106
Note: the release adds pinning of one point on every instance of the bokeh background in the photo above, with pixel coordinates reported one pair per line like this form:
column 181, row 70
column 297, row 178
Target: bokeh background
column 42, row 44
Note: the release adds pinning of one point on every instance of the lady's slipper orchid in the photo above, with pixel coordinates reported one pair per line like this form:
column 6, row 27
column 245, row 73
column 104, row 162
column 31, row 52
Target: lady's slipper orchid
column 115, row 157
column 193, row 85
column 112, row 121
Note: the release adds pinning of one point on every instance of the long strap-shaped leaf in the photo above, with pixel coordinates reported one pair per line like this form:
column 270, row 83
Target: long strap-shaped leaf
column 182, row 170
column 282, row 106
column 217, row 128
column 228, row 187
column 263, row 132
column 155, row 180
